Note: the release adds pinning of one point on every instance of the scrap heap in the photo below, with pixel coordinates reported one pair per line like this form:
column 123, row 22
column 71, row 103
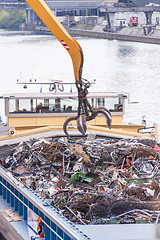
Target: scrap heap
column 92, row 181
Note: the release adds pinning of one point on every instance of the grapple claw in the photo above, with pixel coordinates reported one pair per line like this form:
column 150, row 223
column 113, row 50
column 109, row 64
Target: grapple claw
column 82, row 124
column 85, row 110
column 106, row 114
column 67, row 122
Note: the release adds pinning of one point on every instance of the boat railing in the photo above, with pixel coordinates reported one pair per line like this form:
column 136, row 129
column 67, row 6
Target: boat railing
column 140, row 130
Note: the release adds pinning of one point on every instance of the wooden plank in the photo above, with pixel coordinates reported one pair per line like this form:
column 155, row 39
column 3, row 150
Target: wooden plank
column 7, row 230
column 10, row 215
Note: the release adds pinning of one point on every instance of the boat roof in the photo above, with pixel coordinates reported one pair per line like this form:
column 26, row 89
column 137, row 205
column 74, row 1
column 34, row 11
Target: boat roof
column 61, row 95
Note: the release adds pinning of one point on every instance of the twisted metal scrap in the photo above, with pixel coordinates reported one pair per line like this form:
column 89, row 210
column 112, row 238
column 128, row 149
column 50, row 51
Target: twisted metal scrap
column 112, row 168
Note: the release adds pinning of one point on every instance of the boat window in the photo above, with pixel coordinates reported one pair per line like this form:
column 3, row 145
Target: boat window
column 42, row 105
column 61, row 105
column 69, row 105
column 22, row 105
column 111, row 103
column 12, row 107
column 56, row 105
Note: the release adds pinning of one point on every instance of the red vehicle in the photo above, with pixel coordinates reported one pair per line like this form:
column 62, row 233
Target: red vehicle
column 133, row 21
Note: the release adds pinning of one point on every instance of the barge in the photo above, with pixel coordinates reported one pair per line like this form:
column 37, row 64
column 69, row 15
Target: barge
column 29, row 114
column 20, row 201
column 42, row 115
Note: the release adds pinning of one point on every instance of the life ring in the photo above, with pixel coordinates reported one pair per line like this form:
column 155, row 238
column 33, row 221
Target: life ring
column 12, row 132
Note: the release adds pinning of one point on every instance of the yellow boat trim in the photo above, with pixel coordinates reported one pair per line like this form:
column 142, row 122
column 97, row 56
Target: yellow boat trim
column 116, row 131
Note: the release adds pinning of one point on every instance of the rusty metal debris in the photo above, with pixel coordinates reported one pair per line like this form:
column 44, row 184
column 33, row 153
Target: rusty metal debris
column 90, row 180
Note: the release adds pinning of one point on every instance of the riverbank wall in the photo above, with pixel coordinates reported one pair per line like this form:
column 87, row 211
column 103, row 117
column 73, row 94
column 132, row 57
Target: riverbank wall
column 115, row 36
column 125, row 34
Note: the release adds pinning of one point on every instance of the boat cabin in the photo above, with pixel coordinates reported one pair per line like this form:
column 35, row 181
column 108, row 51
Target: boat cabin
column 43, row 109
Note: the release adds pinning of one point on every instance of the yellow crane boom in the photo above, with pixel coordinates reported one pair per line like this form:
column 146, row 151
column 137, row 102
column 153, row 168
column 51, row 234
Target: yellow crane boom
column 68, row 42
column 85, row 111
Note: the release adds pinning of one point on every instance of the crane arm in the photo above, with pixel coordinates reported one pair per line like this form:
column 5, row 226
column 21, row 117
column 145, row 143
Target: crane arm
column 85, row 111
column 69, row 43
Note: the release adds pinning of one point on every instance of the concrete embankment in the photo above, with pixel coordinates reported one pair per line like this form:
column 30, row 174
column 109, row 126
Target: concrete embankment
column 126, row 34
column 117, row 36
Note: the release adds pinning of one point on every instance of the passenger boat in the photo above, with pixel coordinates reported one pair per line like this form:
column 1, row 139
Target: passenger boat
column 36, row 112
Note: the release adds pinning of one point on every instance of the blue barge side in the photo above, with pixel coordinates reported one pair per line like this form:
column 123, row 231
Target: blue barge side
column 22, row 199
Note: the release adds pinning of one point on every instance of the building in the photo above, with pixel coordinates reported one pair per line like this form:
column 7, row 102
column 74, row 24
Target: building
column 146, row 2
column 72, row 9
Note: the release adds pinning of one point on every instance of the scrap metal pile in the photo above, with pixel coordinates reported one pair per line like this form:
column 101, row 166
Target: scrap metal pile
column 92, row 181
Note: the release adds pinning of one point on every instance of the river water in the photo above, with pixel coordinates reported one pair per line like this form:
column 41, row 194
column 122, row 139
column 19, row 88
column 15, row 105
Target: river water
column 117, row 66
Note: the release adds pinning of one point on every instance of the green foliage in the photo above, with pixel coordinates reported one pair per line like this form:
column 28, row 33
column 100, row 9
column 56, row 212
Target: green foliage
column 10, row 19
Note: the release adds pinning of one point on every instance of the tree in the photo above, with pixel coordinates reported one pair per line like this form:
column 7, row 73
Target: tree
column 11, row 18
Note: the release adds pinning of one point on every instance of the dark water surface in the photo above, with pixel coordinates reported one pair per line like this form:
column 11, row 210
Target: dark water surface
column 117, row 66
